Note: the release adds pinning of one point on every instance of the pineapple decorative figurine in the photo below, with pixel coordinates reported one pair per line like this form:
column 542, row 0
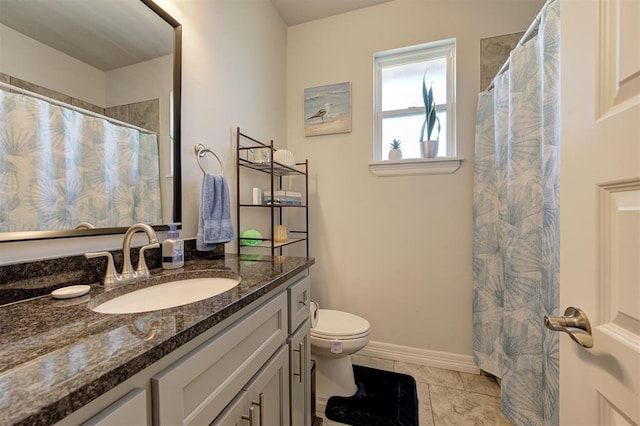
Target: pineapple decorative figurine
column 395, row 153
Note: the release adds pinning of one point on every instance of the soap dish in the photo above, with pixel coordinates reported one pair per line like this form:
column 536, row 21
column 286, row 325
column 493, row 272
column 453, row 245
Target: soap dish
column 70, row 292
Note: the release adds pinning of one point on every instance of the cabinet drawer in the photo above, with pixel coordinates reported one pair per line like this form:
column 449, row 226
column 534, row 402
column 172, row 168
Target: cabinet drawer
column 299, row 296
column 196, row 389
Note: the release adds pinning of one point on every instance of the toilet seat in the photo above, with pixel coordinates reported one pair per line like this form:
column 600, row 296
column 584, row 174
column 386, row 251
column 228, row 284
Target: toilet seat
column 339, row 325
column 330, row 337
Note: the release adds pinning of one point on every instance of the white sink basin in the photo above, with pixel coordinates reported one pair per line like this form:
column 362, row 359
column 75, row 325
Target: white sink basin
column 167, row 295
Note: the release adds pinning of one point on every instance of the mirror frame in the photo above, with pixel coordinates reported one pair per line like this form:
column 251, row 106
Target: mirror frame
column 177, row 168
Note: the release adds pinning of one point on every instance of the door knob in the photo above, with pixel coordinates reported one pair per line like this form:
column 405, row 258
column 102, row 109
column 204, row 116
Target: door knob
column 575, row 323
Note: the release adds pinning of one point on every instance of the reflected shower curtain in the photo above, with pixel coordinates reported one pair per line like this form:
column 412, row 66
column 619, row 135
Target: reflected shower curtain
column 516, row 227
column 59, row 168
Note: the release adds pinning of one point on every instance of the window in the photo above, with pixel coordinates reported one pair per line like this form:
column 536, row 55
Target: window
column 399, row 107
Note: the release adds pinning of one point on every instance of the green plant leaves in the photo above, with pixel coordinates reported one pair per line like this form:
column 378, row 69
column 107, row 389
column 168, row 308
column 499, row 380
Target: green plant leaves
column 430, row 110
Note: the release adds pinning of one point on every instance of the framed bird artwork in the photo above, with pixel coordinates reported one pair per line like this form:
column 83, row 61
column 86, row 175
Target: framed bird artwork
column 327, row 109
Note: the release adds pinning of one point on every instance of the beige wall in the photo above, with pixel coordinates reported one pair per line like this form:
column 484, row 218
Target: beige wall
column 395, row 250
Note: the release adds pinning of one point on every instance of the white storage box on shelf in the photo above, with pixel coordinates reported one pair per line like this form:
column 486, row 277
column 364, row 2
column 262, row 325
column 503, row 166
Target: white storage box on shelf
column 290, row 198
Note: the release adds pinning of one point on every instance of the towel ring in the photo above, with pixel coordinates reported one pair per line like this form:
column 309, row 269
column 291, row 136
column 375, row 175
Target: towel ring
column 201, row 151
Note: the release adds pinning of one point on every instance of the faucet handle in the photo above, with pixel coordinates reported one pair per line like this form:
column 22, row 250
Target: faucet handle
column 142, row 271
column 110, row 275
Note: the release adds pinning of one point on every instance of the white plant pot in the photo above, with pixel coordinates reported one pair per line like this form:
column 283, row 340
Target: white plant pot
column 395, row 154
column 429, row 149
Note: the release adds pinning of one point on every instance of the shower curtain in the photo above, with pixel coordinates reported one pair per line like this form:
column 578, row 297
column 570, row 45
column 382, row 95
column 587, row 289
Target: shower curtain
column 60, row 168
column 516, row 227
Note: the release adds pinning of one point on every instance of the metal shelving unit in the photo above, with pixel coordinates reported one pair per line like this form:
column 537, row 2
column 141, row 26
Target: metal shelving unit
column 276, row 172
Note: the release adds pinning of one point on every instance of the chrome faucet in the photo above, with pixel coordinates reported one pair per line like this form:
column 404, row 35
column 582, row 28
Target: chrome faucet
column 111, row 276
column 141, row 271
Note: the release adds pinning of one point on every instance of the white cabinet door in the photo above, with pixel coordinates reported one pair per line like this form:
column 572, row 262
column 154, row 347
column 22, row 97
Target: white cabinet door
column 237, row 413
column 268, row 391
column 600, row 209
column 131, row 409
column 300, row 375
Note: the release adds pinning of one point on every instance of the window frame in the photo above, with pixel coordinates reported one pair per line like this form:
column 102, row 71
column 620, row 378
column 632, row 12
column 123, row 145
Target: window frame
column 426, row 51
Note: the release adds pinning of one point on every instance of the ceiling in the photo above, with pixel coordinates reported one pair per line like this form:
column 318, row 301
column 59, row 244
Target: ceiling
column 103, row 38
column 295, row 12
column 97, row 32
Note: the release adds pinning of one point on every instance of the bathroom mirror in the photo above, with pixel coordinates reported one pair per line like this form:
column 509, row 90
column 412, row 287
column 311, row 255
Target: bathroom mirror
column 128, row 46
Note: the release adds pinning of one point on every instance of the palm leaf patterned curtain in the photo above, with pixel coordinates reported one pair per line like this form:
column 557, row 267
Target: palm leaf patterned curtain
column 59, row 168
column 516, row 227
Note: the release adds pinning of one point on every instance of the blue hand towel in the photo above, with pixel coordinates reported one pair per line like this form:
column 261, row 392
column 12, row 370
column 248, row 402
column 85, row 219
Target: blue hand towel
column 214, row 224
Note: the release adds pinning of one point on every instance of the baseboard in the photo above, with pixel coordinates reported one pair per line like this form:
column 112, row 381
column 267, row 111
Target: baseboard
column 446, row 360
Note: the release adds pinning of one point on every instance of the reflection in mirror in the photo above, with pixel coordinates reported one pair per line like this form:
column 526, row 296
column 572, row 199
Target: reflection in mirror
column 89, row 117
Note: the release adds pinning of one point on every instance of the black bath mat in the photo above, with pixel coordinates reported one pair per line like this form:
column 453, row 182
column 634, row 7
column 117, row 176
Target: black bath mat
column 383, row 399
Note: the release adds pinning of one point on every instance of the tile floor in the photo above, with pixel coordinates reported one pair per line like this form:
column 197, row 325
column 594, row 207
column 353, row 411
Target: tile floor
column 447, row 398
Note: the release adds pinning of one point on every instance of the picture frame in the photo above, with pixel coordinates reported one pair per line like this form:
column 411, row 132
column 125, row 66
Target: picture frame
column 327, row 109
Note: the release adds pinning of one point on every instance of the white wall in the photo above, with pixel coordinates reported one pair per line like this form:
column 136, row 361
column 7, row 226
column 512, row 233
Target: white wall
column 37, row 63
column 411, row 278
column 234, row 74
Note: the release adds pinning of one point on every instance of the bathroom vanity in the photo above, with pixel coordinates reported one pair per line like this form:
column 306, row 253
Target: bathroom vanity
column 235, row 358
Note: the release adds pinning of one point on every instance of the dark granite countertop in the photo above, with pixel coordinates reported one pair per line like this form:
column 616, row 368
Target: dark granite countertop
column 58, row 355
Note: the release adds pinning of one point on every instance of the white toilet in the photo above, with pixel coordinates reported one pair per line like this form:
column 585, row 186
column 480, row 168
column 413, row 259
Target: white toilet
column 334, row 338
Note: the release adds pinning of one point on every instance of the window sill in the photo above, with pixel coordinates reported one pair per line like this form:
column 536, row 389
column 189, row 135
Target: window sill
column 416, row 166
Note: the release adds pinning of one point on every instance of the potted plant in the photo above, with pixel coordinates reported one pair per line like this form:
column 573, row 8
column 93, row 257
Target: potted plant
column 395, row 153
column 428, row 146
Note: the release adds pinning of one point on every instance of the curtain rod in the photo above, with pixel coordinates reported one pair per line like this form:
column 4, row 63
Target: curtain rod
column 52, row 101
column 534, row 26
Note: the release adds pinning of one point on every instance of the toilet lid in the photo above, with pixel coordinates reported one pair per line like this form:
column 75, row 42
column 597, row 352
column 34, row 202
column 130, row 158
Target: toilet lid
column 339, row 324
